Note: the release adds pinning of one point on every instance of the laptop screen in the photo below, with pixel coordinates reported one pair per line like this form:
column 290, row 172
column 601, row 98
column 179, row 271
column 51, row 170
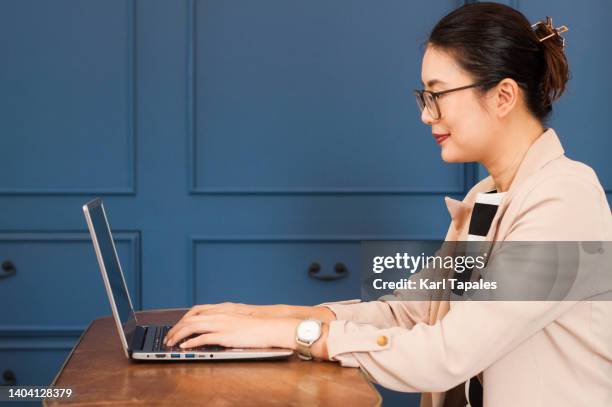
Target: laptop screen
column 109, row 257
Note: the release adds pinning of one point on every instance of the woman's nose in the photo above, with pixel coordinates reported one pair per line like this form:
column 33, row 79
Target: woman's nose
column 426, row 117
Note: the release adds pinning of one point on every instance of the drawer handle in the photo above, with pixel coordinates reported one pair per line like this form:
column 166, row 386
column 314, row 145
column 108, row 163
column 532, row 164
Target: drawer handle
column 340, row 272
column 8, row 269
column 9, row 378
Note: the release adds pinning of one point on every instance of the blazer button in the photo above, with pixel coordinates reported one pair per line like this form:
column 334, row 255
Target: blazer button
column 382, row 340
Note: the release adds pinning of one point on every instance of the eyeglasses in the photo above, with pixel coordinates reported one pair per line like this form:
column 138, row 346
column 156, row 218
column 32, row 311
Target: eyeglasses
column 427, row 99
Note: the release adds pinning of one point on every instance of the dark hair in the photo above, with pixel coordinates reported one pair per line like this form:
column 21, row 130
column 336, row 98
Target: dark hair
column 492, row 41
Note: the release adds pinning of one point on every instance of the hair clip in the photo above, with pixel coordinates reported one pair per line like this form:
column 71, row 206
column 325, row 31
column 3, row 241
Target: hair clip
column 555, row 31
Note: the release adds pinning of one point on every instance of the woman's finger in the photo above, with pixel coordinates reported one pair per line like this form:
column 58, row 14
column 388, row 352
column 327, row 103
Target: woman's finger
column 196, row 310
column 213, row 321
column 189, row 329
column 204, row 339
column 176, row 326
column 204, row 309
column 171, row 337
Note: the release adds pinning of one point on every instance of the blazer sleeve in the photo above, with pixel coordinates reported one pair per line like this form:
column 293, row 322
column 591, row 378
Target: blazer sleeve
column 383, row 314
column 404, row 308
column 473, row 335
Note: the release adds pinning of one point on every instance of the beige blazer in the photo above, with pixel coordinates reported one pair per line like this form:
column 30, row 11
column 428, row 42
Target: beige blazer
column 527, row 353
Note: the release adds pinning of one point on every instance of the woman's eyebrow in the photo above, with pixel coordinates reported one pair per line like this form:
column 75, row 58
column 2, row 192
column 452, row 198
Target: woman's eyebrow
column 433, row 82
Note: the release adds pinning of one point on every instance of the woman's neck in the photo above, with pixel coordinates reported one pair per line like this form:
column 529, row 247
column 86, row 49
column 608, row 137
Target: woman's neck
column 510, row 151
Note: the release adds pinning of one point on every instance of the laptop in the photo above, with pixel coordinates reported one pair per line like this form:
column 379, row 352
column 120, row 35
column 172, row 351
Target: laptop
column 145, row 342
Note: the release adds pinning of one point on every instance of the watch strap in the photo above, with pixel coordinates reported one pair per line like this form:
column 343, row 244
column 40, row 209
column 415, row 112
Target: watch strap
column 303, row 350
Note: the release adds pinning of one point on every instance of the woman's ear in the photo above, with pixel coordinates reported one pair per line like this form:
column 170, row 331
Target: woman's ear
column 507, row 96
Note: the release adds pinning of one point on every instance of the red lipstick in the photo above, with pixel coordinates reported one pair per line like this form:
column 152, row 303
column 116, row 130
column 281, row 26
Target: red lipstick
column 440, row 137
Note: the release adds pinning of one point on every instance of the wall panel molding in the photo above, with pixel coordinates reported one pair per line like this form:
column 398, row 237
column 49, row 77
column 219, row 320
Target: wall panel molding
column 194, row 188
column 131, row 237
column 195, row 240
column 130, row 130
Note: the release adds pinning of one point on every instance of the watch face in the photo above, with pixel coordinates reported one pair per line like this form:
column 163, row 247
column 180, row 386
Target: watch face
column 309, row 331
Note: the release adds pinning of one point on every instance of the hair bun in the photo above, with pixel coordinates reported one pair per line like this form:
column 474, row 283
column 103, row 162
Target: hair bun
column 556, row 72
column 544, row 30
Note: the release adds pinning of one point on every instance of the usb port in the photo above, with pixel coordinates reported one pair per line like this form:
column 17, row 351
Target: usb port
column 175, row 355
column 190, row 355
column 160, row 355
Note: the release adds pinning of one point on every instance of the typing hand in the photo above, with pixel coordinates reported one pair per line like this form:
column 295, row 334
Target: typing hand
column 233, row 331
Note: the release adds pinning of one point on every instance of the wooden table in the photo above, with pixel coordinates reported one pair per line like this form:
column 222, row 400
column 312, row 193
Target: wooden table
column 98, row 373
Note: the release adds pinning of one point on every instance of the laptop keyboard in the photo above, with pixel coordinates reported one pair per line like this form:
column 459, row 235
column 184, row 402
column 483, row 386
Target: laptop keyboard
column 160, row 334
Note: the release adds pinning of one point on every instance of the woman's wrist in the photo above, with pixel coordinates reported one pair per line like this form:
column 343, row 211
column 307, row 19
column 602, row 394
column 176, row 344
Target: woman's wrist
column 293, row 311
column 287, row 328
column 322, row 313
column 319, row 348
column 271, row 311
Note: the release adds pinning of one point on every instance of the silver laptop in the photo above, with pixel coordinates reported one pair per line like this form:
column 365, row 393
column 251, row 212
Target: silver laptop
column 145, row 342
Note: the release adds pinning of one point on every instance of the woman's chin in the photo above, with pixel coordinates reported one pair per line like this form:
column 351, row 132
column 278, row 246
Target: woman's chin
column 449, row 156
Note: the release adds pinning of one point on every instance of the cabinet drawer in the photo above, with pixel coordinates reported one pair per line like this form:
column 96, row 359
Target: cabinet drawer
column 53, row 280
column 32, row 361
column 274, row 270
column 31, row 367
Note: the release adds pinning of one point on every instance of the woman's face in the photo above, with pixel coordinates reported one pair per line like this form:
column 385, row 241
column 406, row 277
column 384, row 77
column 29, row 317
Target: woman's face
column 469, row 125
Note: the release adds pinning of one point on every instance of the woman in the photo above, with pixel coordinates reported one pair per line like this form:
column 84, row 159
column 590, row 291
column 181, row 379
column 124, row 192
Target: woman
column 490, row 79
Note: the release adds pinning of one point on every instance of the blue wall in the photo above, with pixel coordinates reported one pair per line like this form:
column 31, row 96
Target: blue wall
column 234, row 144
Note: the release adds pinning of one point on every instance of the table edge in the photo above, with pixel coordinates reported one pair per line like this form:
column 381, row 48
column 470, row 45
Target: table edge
column 57, row 375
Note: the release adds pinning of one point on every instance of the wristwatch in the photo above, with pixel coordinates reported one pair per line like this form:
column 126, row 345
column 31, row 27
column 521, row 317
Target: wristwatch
column 307, row 333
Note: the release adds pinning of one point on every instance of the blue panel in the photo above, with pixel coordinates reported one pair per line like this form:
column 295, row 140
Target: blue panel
column 310, row 101
column 274, row 271
column 32, row 367
column 58, row 283
column 398, row 399
column 313, row 97
column 33, row 360
column 66, row 105
column 582, row 116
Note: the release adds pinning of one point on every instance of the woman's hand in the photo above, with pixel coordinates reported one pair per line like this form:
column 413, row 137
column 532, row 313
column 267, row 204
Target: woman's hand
column 259, row 311
column 222, row 308
column 239, row 331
